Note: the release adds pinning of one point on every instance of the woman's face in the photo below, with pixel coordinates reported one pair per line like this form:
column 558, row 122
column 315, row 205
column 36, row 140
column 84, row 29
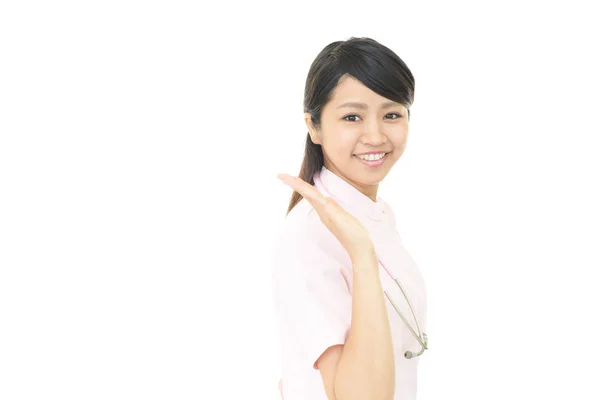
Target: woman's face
column 378, row 125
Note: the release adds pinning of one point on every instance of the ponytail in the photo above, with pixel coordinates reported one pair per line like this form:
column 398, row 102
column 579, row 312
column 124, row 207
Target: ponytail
column 312, row 163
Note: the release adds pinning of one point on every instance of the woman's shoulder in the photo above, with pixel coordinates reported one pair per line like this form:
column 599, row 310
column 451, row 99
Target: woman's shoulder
column 302, row 226
column 305, row 236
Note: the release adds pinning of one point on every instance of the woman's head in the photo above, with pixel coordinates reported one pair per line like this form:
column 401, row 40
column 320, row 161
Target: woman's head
column 358, row 70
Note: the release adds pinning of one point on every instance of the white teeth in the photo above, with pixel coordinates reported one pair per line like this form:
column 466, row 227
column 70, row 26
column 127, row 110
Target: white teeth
column 372, row 157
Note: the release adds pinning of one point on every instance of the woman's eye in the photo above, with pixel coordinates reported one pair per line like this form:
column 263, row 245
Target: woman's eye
column 396, row 114
column 356, row 116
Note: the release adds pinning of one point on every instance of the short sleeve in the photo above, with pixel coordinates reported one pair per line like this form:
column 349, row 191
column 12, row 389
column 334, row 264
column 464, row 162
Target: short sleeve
column 313, row 302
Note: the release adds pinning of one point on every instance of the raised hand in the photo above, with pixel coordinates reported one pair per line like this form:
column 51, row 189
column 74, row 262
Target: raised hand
column 351, row 234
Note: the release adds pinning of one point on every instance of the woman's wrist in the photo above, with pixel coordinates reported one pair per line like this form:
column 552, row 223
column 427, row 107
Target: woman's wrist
column 364, row 255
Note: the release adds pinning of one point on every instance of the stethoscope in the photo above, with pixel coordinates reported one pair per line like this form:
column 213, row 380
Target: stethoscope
column 421, row 336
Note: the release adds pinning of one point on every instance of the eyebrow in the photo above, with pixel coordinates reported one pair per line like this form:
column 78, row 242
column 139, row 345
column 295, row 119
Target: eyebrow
column 364, row 106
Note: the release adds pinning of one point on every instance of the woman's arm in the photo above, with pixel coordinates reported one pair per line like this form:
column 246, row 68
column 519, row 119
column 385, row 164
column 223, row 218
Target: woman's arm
column 364, row 367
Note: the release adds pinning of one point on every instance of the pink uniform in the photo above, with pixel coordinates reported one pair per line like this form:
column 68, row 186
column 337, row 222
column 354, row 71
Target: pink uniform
column 312, row 289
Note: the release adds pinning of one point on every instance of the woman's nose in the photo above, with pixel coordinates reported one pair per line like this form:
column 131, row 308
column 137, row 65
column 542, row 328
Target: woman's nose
column 374, row 136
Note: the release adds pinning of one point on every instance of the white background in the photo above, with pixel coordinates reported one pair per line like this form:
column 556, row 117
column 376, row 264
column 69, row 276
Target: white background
column 139, row 144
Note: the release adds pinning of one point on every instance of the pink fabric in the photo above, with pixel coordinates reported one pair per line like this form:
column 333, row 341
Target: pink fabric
column 312, row 290
column 280, row 389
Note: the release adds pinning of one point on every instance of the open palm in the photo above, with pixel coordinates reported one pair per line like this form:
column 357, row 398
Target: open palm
column 351, row 234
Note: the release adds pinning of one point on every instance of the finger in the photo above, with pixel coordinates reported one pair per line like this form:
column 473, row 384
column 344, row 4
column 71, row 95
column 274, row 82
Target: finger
column 301, row 186
column 308, row 191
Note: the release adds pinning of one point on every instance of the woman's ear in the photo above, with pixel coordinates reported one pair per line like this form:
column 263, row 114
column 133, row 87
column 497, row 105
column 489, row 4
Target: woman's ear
column 314, row 134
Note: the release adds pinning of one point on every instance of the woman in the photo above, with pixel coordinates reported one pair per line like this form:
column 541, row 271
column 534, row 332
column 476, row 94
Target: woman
column 340, row 313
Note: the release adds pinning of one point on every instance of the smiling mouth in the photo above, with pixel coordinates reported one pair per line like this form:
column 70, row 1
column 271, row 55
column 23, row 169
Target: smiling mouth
column 372, row 156
column 372, row 160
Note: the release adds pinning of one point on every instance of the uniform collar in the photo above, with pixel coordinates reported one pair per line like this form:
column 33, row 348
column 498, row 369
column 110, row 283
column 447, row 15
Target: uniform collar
column 347, row 195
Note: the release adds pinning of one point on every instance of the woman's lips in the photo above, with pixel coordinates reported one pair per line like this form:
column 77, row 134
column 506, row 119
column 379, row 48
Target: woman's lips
column 374, row 163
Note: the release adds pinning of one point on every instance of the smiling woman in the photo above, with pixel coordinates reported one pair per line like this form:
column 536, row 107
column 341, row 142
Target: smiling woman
column 327, row 283
column 368, row 128
column 356, row 102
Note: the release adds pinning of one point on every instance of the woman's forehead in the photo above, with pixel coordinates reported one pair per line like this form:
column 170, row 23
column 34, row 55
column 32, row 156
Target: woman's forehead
column 351, row 93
